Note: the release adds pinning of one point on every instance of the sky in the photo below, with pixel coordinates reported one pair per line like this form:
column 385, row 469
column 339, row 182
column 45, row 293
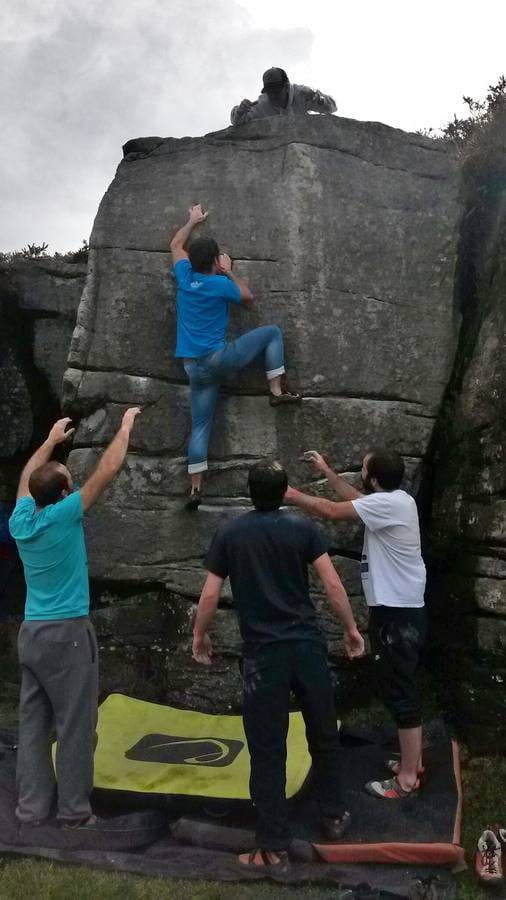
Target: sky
column 78, row 79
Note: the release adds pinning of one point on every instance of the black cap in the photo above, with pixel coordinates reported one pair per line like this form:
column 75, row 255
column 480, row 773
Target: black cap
column 274, row 79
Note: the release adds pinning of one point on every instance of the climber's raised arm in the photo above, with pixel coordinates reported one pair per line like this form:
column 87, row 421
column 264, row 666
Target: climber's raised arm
column 177, row 244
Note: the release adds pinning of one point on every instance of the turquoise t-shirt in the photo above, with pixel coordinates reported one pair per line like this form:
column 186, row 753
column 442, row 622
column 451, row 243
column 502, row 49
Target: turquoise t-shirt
column 202, row 310
column 51, row 545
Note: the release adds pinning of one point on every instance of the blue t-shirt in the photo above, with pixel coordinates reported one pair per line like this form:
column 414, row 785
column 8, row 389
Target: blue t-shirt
column 202, row 310
column 51, row 545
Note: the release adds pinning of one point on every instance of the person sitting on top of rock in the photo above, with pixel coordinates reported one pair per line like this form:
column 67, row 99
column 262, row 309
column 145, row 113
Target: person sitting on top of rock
column 205, row 287
column 280, row 98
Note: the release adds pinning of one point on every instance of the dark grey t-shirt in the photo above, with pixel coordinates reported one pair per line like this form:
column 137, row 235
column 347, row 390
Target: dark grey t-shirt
column 266, row 556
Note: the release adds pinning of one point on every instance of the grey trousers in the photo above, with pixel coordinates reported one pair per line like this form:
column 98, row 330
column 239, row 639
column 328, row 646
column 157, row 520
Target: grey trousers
column 59, row 694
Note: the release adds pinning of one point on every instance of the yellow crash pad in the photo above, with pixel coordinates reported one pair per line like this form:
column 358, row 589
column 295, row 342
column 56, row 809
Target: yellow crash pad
column 150, row 748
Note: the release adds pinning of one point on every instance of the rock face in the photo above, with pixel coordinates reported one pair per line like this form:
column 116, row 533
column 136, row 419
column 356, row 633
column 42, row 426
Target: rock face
column 470, row 491
column 38, row 306
column 347, row 233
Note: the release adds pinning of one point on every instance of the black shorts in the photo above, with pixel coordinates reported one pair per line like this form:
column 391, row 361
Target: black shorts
column 397, row 636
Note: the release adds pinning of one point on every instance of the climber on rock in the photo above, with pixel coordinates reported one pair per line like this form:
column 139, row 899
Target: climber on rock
column 393, row 581
column 280, row 98
column 205, row 287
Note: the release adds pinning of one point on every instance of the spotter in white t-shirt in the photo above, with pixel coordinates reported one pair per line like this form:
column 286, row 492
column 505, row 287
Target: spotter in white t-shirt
column 392, row 568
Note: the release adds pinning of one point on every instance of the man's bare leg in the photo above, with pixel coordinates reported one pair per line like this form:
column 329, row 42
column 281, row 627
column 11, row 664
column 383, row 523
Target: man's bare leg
column 196, row 480
column 410, row 740
column 275, row 385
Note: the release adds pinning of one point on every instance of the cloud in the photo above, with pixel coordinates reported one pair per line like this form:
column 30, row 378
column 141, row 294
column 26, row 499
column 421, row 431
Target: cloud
column 78, row 80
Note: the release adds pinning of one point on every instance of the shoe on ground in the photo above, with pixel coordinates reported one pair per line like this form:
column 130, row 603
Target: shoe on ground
column 390, row 789
column 194, row 500
column 37, row 823
column 334, row 829
column 127, row 832
column 258, row 861
column 119, row 833
column 284, row 398
column 41, row 833
column 487, row 860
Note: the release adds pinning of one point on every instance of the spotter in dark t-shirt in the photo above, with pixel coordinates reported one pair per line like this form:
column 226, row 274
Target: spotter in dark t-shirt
column 266, row 556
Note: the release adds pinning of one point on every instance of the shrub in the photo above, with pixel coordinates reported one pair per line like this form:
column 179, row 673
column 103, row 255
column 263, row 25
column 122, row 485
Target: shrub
column 482, row 134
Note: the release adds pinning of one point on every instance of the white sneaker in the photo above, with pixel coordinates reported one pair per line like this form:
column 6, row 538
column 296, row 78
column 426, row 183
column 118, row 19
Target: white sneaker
column 487, row 861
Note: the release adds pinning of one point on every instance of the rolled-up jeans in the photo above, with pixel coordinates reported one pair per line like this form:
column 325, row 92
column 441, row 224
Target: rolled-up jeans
column 207, row 372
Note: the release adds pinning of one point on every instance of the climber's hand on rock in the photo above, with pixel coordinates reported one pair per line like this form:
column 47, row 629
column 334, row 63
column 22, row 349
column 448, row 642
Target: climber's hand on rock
column 58, row 432
column 245, row 105
column 317, row 460
column 202, row 649
column 129, row 417
column 197, row 214
column 225, row 263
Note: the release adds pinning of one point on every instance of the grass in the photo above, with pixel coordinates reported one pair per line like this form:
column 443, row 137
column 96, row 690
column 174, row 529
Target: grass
column 37, row 880
column 484, row 784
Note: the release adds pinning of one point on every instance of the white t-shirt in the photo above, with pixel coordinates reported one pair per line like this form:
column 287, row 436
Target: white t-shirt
column 392, row 568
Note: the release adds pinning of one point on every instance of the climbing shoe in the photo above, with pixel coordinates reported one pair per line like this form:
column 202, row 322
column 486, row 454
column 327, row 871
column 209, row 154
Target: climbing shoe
column 390, row 789
column 284, row 398
column 194, row 501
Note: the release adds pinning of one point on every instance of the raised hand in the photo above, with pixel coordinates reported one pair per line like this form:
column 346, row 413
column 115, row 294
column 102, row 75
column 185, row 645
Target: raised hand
column 197, row 214
column 317, row 460
column 129, row 417
column 58, row 432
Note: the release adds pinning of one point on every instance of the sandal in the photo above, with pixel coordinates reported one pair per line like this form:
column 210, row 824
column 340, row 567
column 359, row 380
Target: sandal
column 259, row 859
column 285, row 397
column 390, row 789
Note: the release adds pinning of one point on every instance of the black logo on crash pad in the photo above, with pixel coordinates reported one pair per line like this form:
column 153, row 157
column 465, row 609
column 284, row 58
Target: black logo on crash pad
column 184, row 751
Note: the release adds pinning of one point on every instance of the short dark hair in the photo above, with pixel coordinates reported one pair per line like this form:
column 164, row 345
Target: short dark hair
column 47, row 483
column 267, row 483
column 203, row 253
column 387, row 467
